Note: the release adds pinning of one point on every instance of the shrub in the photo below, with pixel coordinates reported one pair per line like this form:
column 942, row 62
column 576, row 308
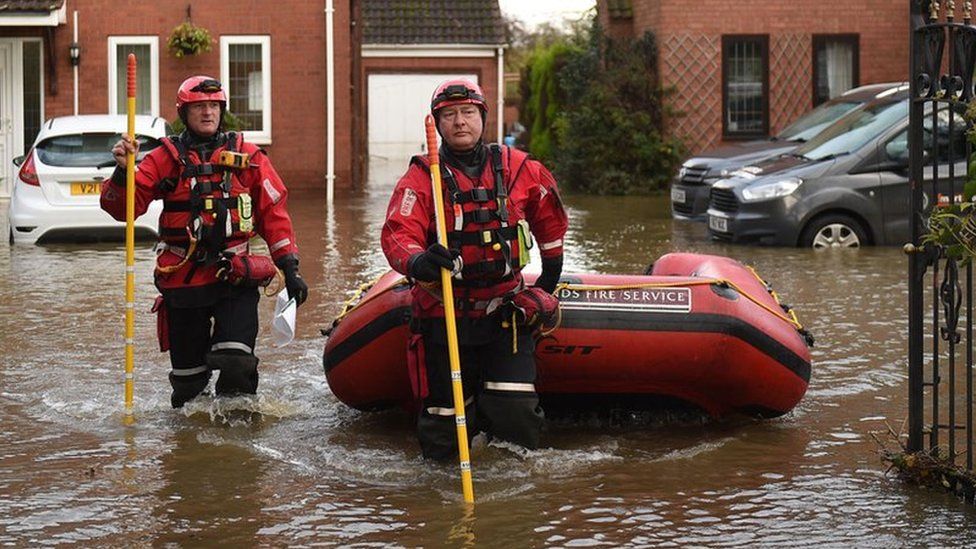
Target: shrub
column 610, row 136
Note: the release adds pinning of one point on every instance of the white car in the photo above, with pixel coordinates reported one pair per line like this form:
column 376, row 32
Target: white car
column 56, row 191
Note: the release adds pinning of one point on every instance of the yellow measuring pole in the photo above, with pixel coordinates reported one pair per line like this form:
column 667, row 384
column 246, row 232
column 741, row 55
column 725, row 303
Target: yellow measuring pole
column 448, row 294
column 130, row 242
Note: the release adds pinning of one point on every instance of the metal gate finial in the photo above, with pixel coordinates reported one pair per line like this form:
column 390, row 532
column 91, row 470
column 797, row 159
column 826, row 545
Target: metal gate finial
column 934, row 10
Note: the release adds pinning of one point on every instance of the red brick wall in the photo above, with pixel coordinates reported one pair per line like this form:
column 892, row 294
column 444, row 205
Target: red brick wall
column 297, row 30
column 689, row 35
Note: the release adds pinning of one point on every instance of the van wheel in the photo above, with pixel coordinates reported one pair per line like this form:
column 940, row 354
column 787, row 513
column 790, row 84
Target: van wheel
column 834, row 231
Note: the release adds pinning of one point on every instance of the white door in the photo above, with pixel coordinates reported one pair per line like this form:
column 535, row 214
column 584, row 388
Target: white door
column 398, row 104
column 6, row 116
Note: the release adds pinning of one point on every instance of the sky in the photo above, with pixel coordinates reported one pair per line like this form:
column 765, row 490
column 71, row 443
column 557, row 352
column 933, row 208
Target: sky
column 534, row 12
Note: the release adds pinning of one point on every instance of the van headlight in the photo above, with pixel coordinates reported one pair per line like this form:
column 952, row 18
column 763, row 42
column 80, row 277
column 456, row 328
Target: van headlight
column 767, row 191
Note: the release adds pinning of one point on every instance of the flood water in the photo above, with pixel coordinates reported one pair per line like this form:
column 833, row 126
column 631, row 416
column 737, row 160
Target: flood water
column 295, row 467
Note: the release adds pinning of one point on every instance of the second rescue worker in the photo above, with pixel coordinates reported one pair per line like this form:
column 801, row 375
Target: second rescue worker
column 495, row 197
column 218, row 191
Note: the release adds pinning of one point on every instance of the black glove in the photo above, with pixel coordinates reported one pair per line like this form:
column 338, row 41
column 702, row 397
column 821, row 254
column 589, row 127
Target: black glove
column 426, row 266
column 297, row 289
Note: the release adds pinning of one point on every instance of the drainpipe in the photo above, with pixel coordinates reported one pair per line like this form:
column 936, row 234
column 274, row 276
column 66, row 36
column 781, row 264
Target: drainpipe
column 501, row 94
column 75, row 68
column 329, row 103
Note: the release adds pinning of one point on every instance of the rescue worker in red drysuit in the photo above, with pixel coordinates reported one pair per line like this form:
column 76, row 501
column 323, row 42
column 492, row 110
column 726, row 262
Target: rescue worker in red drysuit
column 493, row 197
column 212, row 205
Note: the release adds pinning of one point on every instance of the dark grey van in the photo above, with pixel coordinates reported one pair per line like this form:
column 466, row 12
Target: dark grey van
column 847, row 187
column 690, row 190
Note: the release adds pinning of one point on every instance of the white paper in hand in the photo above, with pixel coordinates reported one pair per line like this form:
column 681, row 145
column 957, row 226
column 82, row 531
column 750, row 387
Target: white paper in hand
column 283, row 323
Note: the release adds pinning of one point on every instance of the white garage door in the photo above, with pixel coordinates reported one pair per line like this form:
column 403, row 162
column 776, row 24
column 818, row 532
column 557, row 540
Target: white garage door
column 397, row 106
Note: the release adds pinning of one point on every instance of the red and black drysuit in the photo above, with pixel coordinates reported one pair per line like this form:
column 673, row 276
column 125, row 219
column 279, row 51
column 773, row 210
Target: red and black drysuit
column 482, row 214
column 204, row 200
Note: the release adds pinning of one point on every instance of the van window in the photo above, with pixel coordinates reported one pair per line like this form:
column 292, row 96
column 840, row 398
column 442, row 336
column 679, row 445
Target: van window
column 854, row 130
column 946, row 150
column 819, row 118
column 898, row 146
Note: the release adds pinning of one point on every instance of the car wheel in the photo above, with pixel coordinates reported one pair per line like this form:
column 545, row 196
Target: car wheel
column 834, row 231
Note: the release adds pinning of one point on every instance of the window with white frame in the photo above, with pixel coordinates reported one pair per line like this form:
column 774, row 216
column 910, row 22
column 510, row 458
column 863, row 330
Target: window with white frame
column 146, row 49
column 835, row 65
column 245, row 71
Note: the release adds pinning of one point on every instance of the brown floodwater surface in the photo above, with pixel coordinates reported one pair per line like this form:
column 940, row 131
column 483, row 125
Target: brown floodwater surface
column 295, row 467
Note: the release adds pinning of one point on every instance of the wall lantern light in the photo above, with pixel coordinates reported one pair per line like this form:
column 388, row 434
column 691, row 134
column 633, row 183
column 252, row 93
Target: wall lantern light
column 74, row 53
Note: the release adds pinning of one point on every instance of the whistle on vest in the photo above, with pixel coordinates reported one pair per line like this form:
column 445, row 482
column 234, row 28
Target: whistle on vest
column 233, row 159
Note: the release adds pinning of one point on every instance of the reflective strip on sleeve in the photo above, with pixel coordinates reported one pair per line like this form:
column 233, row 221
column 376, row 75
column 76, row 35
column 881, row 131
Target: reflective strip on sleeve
column 272, row 192
column 235, row 345
column 279, row 244
column 510, row 387
column 551, row 245
column 189, row 371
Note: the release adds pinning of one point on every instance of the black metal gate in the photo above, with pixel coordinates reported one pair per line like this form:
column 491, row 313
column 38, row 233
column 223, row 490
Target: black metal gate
column 943, row 55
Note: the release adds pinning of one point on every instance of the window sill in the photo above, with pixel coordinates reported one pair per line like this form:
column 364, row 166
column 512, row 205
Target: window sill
column 257, row 138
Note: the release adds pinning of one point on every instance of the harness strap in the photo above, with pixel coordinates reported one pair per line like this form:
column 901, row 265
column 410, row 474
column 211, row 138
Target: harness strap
column 471, row 238
column 204, row 169
column 489, row 266
column 181, row 251
column 170, row 232
column 501, row 193
column 185, row 205
column 481, row 215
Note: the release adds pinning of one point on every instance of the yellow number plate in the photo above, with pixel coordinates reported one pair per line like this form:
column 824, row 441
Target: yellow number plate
column 86, row 187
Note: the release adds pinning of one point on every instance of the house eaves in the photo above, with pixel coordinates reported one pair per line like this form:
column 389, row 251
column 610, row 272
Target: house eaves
column 32, row 13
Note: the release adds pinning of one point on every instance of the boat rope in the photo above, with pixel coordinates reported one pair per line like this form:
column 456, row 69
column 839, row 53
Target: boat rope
column 790, row 318
column 354, row 302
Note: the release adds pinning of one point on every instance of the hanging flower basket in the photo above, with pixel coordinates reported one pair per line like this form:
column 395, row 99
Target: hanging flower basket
column 189, row 39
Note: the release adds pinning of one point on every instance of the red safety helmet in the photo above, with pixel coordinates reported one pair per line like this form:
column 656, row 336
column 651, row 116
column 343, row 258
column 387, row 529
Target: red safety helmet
column 200, row 88
column 458, row 92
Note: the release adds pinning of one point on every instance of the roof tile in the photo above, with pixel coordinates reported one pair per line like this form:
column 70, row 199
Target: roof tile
column 30, row 5
column 432, row 22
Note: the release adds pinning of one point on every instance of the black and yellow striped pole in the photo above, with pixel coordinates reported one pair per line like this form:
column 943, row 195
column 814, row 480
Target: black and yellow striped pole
column 130, row 209
column 449, row 319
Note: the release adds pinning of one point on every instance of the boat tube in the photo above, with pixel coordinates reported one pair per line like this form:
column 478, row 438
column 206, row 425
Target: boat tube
column 697, row 329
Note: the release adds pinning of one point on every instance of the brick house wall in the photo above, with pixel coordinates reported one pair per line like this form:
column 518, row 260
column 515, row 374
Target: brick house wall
column 298, row 80
column 690, row 41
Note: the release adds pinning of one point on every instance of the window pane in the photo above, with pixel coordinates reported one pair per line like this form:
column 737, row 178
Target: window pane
column 32, row 93
column 246, row 85
column 744, row 93
column 835, row 68
column 143, row 77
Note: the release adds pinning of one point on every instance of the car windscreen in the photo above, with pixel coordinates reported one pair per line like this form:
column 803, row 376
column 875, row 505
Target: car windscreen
column 810, row 124
column 86, row 150
column 854, row 130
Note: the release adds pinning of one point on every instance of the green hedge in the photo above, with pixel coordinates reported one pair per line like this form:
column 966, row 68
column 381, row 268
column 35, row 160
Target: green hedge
column 595, row 112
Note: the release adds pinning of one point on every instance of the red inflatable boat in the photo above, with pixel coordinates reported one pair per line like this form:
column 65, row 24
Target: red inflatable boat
column 699, row 329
